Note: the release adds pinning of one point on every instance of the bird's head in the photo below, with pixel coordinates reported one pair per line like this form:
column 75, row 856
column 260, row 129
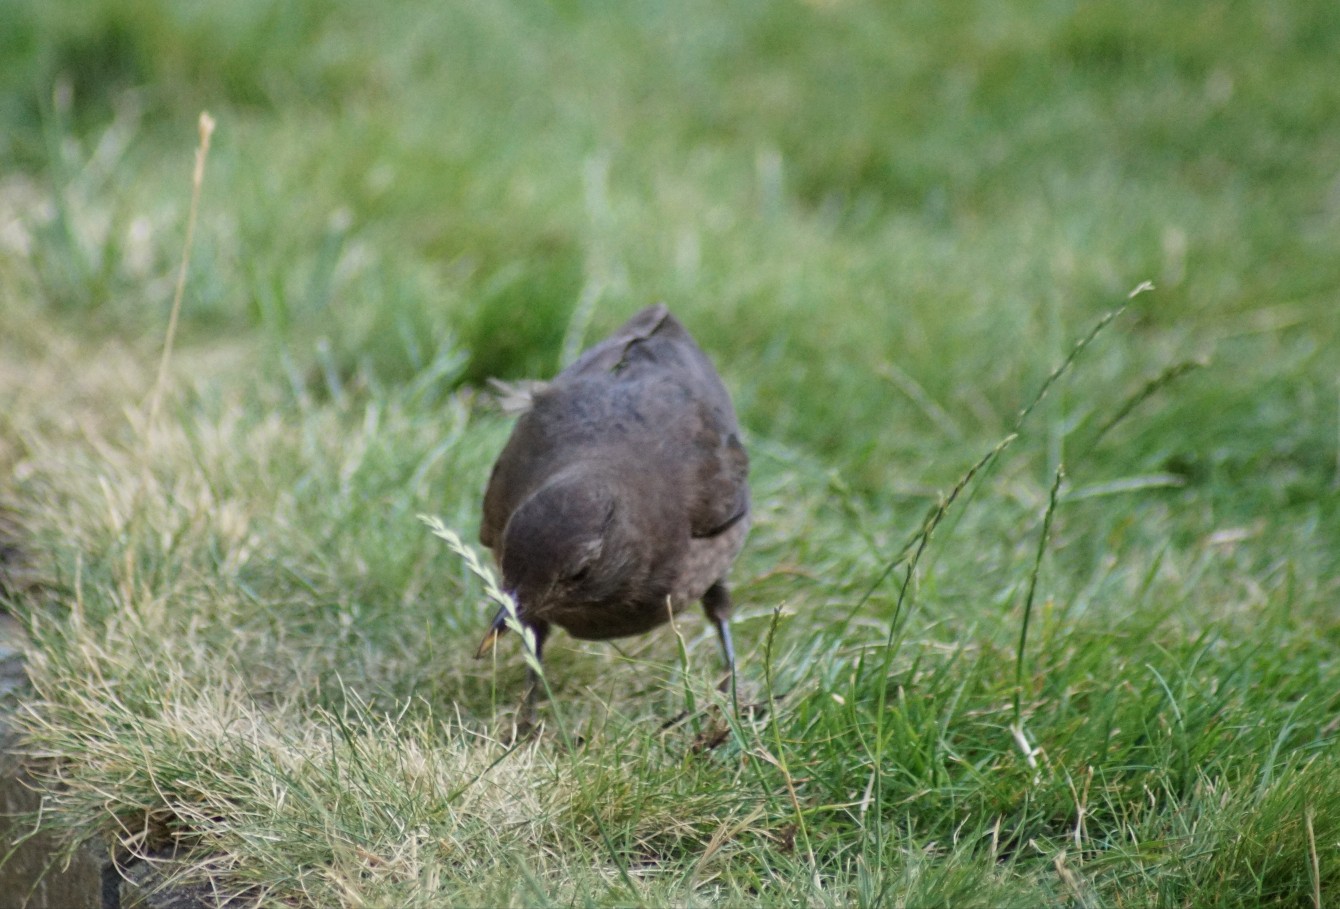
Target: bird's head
column 565, row 546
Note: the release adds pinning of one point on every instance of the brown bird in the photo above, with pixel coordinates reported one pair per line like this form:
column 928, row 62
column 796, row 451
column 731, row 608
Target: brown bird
column 622, row 493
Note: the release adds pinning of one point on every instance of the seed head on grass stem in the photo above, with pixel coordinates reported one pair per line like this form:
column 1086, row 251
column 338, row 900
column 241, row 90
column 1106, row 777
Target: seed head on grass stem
column 1032, row 591
column 492, row 590
column 197, row 181
column 499, row 596
column 920, row 542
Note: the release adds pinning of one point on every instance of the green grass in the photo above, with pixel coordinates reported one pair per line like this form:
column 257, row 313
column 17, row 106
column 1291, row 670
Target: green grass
column 890, row 225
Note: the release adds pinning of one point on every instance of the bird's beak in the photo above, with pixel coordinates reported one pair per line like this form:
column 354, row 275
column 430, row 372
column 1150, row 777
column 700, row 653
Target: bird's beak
column 496, row 627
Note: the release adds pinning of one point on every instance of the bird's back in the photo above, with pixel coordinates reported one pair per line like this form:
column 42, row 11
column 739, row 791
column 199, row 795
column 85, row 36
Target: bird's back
column 646, row 406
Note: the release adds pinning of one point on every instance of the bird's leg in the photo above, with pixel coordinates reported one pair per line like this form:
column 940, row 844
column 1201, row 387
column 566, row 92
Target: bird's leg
column 717, row 605
column 534, row 682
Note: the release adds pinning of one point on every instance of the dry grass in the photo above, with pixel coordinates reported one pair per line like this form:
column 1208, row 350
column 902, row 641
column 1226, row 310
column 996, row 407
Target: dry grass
column 1079, row 650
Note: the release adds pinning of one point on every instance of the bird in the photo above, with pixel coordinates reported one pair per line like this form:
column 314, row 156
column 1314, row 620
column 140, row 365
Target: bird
column 622, row 494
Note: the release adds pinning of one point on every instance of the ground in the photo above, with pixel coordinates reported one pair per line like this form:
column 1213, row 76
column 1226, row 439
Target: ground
column 1031, row 312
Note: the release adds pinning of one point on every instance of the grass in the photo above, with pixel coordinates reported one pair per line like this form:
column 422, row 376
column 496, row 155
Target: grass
column 1076, row 648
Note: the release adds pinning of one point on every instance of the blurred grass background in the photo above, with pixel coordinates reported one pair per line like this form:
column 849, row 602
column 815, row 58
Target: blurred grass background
column 888, row 224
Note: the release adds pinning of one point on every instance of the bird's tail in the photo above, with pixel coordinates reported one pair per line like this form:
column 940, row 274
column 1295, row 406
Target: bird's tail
column 496, row 627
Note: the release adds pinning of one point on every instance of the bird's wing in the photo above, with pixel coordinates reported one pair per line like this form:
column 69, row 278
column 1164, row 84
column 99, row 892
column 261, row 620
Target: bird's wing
column 548, row 435
column 659, row 358
column 497, row 508
column 722, row 490
column 609, row 353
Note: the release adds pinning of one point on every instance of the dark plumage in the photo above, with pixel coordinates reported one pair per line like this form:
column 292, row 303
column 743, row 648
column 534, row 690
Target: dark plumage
column 623, row 485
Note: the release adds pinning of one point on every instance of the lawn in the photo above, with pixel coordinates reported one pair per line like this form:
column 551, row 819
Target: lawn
column 1031, row 312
